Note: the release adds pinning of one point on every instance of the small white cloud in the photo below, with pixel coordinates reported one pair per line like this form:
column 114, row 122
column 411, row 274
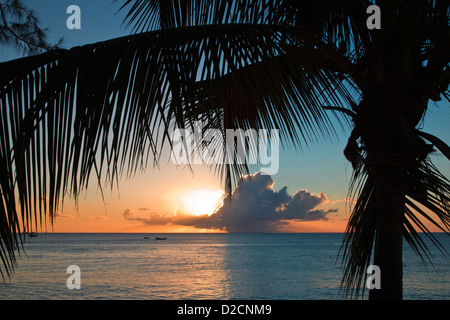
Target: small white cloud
column 99, row 218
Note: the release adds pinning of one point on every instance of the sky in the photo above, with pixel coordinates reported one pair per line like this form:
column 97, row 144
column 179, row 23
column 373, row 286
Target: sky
column 307, row 194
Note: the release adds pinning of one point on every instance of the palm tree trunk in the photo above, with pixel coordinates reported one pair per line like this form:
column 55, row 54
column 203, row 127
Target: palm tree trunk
column 389, row 174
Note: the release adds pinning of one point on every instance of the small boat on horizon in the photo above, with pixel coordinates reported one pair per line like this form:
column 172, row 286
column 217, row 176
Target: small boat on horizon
column 159, row 238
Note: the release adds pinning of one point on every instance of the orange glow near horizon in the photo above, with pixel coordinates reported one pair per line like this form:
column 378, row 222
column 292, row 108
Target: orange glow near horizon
column 98, row 217
column 164, row 193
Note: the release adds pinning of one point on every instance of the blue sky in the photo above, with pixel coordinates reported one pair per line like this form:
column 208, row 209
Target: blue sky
column 319, row 168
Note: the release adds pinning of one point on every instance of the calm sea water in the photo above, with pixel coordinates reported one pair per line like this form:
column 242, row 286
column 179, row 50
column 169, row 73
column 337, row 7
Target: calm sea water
column 201, row 266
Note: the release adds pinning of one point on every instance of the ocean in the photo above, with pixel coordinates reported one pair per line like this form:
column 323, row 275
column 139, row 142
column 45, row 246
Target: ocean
column 200, row 266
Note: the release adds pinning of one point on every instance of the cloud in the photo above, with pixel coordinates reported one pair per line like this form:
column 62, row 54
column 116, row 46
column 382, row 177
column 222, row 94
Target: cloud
column 153, row 218
column 256, row 207
column 253, row 207
column 99, row 218
column 64, row 216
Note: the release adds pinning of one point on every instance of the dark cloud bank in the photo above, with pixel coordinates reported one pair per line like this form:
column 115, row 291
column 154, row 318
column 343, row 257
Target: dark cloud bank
column 253, row 207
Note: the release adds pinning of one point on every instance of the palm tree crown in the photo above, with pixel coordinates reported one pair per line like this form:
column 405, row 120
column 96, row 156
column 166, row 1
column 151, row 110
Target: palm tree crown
column 106, row 108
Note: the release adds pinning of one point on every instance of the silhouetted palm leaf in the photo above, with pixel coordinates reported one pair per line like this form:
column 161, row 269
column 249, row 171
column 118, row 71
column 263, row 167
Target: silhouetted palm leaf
column 428, row 193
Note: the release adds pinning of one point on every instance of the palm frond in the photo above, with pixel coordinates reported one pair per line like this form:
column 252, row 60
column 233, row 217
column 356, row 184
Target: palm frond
column 278, row 92
column 284, row 90
column 356, row 248
column 147, row 15
column 428, row 194
column 438, row 143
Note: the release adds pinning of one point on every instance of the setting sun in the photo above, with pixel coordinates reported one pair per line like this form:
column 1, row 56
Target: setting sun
column 203, row 201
